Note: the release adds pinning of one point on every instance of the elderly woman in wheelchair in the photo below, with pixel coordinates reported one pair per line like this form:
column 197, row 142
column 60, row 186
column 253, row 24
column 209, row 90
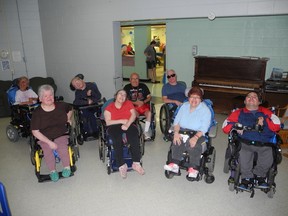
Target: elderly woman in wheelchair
column 190, row 126
column 119, row 117
column 49, row 126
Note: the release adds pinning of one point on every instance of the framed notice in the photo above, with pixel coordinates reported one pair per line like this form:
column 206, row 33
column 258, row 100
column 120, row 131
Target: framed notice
column 5, row 65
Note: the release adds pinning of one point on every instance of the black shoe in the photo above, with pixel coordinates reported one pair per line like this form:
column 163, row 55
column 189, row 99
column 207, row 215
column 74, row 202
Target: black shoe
column 261, row 182
column 246, row 184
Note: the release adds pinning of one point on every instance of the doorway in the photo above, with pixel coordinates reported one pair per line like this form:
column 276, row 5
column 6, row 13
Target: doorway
column 135, row 60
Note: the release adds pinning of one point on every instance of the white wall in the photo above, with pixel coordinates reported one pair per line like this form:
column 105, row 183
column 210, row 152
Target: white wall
column 78, row 34
column 20, row 32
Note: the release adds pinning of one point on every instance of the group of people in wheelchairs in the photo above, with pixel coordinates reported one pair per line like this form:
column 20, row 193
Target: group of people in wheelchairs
column 186, row 120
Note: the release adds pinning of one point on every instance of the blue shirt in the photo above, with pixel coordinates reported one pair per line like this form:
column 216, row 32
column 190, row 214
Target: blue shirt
column 174, row 92
column 198, row 120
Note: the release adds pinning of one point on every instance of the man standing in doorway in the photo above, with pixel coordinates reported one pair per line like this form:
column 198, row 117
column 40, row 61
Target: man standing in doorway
column 150, row 54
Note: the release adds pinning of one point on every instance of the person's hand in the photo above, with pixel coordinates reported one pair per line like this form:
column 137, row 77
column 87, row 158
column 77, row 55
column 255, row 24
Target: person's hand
column 89, row 93
column 89, row 101
column 260, row 121
column 52, row 145
column 124, row 127
column 178, row 103
column 177, row 139
column 193, row 141
column 240, row 132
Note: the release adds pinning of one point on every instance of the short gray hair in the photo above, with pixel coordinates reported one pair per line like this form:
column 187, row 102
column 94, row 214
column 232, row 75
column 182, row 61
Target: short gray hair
column 43, row 88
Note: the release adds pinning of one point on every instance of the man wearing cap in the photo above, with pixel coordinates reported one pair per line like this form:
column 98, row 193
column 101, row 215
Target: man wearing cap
column 195, row 117
column 173, row 92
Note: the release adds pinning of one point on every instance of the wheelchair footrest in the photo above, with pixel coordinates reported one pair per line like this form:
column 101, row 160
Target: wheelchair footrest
column 46, row 177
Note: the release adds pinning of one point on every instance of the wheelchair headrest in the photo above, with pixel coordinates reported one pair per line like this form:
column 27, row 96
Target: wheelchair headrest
column 104, row 106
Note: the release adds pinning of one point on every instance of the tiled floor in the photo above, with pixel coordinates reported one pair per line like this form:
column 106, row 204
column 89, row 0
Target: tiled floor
column 92, row 192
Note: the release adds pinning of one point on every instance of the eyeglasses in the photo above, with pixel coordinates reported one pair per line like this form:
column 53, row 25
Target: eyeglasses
column 172, row 75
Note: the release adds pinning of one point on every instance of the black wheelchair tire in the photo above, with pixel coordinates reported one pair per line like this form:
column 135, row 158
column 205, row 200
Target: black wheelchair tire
column 169, row 175
column 164, row 119
column 12, row 133
column 226, row 165
column 209, row 179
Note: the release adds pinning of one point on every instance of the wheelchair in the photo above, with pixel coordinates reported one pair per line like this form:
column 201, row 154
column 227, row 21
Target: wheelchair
column 232, row 165
column 152, row 128
column 20, row 122
column 36, row 156
column 20, row 116
column 106, row 150
column 208, row 156
column 87, row 121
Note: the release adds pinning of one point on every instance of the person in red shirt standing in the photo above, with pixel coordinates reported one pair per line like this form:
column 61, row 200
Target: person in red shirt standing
column 119, row 117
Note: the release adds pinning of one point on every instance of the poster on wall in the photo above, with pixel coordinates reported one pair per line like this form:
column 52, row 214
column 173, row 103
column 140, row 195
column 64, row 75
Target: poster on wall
column 5, row 65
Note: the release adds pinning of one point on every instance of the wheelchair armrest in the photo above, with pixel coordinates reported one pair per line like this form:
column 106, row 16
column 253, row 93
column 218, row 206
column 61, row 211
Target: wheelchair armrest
column 213, row 131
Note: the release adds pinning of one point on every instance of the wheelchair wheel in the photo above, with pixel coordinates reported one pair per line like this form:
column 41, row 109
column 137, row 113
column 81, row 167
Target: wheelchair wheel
column 211, row 162
column 231, row 186
column 141, row 138
column 101, row 142
column 226, row 165
column 32, row 150
column 153, row 122
column 271, row 193
column 12, row 133
column 235, row 183
column 109, row 169
column 169, row 174
column 164, row 119
column 209, row 179
column 80, row 139
column 142, row 144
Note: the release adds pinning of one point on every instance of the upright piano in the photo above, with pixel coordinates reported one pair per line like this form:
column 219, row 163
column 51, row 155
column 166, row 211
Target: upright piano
column 226, row 80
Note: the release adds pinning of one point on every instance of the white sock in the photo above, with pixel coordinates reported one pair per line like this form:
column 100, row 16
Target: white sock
column 147, row 126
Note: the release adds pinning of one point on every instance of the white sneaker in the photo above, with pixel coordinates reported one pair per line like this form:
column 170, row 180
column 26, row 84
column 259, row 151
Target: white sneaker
column 172, row 167
column 192, row 173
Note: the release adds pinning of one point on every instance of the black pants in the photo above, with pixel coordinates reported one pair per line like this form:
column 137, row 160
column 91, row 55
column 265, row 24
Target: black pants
column 115, row 133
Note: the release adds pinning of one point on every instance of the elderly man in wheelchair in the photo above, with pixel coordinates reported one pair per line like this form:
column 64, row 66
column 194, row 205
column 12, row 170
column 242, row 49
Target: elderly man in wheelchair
column 173, row 95
column 190, row 126
column 140, row 96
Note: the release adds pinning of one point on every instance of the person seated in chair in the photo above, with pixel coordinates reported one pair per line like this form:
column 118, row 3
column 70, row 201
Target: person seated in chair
column 86, row 93
column 25, row 95
column 194, row 116
column 253, row 141
column 49, row 125
column 173, row 92
column 119, row 117
column 140, row 96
